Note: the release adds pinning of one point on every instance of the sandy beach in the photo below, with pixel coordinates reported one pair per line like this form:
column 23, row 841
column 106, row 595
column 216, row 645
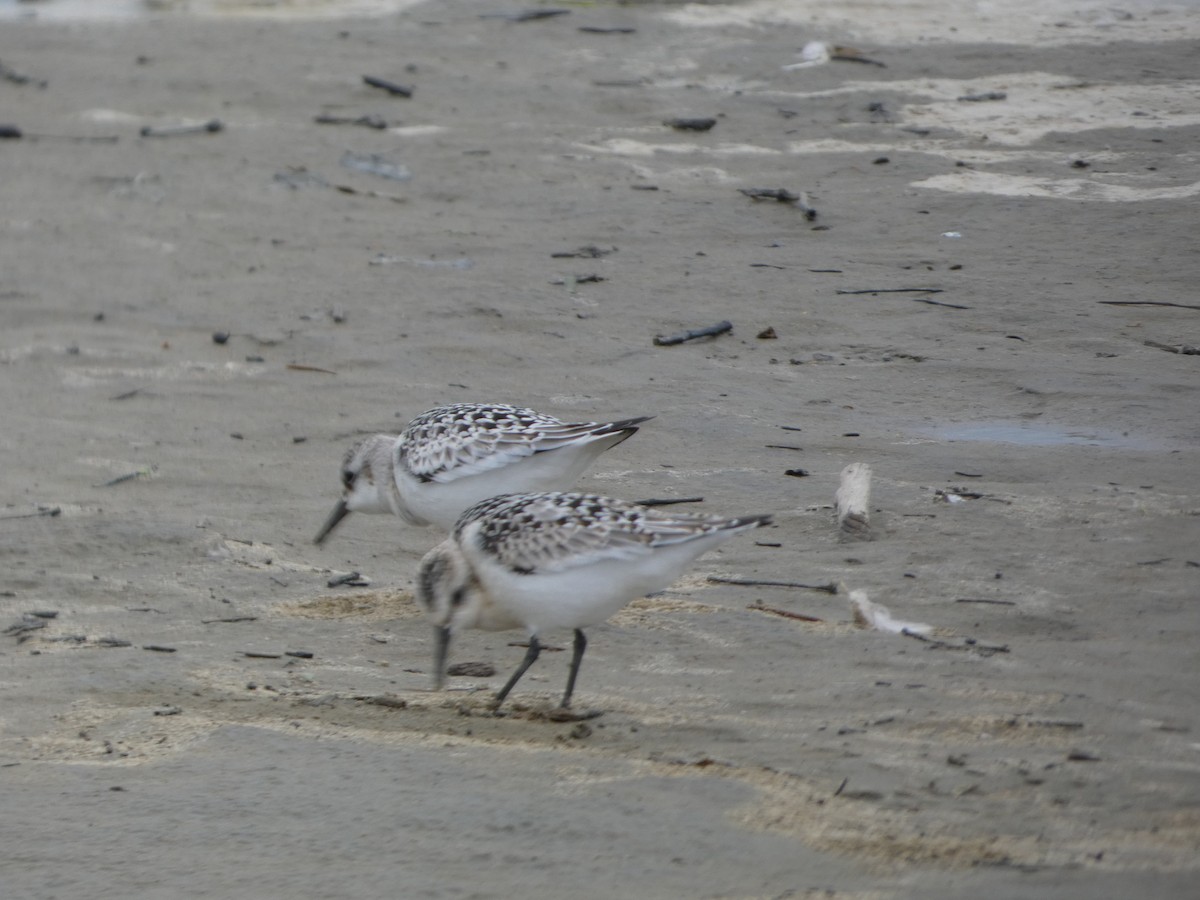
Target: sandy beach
column 226, row 257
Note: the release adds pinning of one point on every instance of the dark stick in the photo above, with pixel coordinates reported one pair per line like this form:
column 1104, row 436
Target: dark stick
column 830, row 588
column 368, row 121
column 783, row 612
column 212, row 126
column 526, row 15
column 668, row 501
column 10, row 74
column 1147, row 303
column 968, row 644
column 937, row 303
column 1185, row 349
column 684, row 336
column 121, row 479
column 892, row 291
column 855, row 58
column 51, row 511
column 693, row 124
column 985, row 600
column 783, row 195
column 396, row 90
column 77, row 138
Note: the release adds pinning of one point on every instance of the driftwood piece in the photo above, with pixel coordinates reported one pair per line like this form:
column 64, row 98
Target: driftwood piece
column 396, row 90
column 852, row 501
column 1185, row 349
column 693, row 334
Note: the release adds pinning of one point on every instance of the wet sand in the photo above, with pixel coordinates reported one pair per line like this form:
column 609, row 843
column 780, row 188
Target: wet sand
column 1035, row 445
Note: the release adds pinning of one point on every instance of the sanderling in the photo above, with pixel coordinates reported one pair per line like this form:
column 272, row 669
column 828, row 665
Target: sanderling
column 556, row 560
column 451, row 457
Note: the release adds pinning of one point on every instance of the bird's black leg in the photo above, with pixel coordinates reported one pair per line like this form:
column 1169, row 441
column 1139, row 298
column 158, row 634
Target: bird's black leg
column 576, row 659
column 531, row 656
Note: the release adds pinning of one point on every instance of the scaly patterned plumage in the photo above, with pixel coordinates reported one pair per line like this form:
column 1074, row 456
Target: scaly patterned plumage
column 454, row 456
column 557, row 560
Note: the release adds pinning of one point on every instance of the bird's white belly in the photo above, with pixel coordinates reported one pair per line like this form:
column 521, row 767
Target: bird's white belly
column 584, row 595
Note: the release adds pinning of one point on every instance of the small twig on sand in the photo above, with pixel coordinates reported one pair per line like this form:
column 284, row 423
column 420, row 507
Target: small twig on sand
column 297, row 367
column 967, row 644
column 121, row 479
column 938, row 303
column 10, row 74
column 43, row 511
column 985, row 600
column 1185, row 349
column 684, row 336
column 669, row 501
column 396, row 90
column 830, row 588
column 1148, row 303
column 527, row 15
column 800, row 201
column 350, row 579
column 694, row 124
column 22, row 630
column 757, row 606
column 891, row 291
column 212, row 126
column 907, row 291
column 367, row 121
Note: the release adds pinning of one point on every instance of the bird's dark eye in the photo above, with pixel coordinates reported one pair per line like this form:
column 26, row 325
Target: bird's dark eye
column 458, row 597
column 347, row 479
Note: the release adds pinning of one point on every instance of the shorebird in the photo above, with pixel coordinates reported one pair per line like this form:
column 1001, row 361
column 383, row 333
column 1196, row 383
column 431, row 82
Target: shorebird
column 452, row 457
column 556, row 560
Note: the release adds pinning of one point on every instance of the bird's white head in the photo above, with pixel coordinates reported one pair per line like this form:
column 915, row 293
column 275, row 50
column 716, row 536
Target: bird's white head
column 450, row 596
column 367, row 479
column 447, row 590
column 368, row 482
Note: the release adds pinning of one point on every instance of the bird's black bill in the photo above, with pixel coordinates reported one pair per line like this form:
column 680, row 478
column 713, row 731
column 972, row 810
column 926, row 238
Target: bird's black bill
column 339, row 512
column 441, row 648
